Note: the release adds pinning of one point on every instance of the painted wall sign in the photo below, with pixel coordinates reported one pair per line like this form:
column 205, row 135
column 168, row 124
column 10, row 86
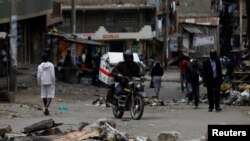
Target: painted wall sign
column 110, row 36
column 203, row 41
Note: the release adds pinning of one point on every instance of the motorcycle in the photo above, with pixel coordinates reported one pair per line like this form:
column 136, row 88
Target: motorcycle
column 131, row 99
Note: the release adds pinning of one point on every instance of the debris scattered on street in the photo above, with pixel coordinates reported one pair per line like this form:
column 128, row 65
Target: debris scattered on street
column 62, row 108
column 99, row 130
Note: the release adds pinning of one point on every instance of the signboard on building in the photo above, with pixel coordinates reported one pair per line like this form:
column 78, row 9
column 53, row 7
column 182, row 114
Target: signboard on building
column 110, row 36
column 203, row 41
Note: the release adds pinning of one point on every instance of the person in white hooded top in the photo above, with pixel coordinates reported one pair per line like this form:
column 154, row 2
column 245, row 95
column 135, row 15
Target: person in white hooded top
column 46, row 78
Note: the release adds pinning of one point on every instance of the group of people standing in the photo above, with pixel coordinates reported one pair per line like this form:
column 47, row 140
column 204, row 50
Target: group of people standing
column 87, row 64
column 211, row 73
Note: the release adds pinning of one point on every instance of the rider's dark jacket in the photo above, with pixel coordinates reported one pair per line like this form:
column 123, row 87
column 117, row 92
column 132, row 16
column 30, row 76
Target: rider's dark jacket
column 126, row 69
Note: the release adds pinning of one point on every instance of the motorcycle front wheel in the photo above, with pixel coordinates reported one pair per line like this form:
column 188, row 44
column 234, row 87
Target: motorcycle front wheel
column 118, row 113
column 137, row 107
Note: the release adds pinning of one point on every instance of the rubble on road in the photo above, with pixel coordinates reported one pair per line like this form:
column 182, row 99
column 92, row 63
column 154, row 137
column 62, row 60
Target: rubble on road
column 101, row 101
column 42, row 125
column 99, row 130
column 239, row 96
column 232, row 97
column 228, row 96
column 168, row 136
column 154, row 102
column 5, row 129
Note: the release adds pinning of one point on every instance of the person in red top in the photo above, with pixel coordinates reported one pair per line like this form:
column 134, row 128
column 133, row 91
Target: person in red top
column 183, row 65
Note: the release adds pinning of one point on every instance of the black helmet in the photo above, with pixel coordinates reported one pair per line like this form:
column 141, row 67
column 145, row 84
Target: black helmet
column 128, row 56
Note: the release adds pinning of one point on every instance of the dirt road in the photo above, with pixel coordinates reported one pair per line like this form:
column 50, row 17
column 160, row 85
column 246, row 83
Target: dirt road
column 73, row 104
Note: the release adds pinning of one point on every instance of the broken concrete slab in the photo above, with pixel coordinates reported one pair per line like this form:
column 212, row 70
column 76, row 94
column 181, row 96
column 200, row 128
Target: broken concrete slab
column 51, row 131
column 41, row 125
column 12, row 136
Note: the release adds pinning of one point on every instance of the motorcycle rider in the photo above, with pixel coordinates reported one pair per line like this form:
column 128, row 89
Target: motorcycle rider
column 123, row 70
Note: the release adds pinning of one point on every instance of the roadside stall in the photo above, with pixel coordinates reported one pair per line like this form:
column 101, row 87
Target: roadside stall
column 237, row 91
column 241, row 74
column 60, row 44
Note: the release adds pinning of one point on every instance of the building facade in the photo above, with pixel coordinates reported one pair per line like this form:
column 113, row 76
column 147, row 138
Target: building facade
column 119, row 25
column 192, row 28
column 33, row 18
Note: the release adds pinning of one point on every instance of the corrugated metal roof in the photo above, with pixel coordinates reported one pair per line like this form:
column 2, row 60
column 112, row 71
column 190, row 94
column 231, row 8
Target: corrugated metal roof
column 66, row 37
column 82, row 41
column 192, row 30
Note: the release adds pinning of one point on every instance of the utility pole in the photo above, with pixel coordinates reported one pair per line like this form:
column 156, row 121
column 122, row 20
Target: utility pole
column 73, row 25
column 13, row 45
column 165, row 55
column 73, row 17
column 156, row 18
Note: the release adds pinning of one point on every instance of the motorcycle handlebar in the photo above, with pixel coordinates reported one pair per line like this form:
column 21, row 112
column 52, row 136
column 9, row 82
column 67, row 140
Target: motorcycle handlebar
column 138, row 79
column 132, row 78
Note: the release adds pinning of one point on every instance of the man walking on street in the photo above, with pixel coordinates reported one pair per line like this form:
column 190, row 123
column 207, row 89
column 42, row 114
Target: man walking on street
column 156, row 74
column 192, row 78
column 212, row 79
column 46, row 78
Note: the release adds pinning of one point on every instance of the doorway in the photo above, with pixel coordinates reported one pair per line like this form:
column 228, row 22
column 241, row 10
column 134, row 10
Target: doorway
column 116, row 46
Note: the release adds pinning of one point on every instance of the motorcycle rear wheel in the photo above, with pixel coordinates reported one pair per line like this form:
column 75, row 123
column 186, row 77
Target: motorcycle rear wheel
column 137, row 107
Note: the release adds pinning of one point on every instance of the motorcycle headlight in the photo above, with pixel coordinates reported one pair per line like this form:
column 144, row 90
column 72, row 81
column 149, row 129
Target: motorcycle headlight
column 139, row 87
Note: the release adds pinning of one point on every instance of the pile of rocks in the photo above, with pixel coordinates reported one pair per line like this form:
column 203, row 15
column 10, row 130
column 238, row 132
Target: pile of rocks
column 99, row 130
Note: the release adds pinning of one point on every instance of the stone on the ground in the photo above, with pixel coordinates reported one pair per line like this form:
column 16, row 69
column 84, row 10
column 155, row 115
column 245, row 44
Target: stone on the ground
column 101, row 122
column 140, row 138
column 5, row 129
column 41, row 125
column 203, row 138
column 15, row 136
column 168, row 136
column 232, row 97
column 51, row 131
column 81, row 125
